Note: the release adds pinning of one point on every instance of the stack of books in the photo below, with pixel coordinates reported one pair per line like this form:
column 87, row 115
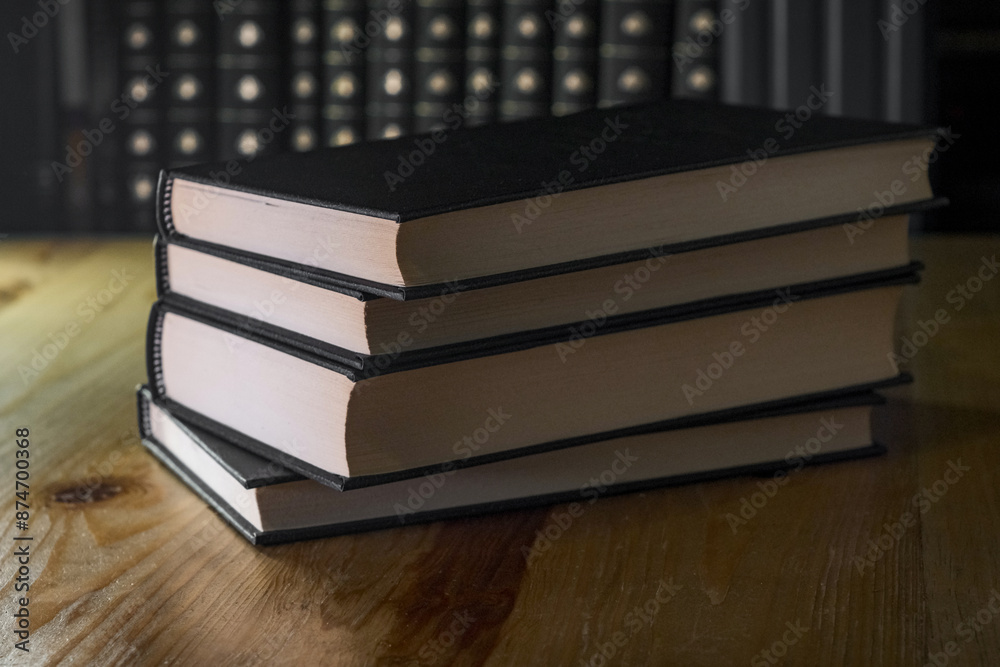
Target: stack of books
column 543, row 311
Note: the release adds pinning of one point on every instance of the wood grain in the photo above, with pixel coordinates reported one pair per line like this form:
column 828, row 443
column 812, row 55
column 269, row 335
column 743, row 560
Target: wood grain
column 129, row 567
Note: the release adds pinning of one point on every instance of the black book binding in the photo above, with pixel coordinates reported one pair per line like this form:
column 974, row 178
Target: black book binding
column 343, row 63
column 389, row 85
column 249, row 80
column 303, row 74
column 691, row 134
column 252, row 471
column 328, row 357
column 574, row 56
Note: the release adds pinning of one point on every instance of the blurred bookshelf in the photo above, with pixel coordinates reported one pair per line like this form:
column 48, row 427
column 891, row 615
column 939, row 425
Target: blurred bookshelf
column 105, row 93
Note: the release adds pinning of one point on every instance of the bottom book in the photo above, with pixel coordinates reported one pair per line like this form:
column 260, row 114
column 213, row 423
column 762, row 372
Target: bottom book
column 269, row 504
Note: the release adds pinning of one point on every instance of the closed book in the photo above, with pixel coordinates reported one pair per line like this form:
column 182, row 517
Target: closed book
column 249, row 81
column 695, row 54
column 344, row 43
column 439, row 64
column 345, row 425
column 525, row 60
column 634, row 61
column 389, row 77
column 482, row 60
column 488, row 206
column 267, row 503
column 574, row 56
column 190, row 101
column 354, row 325
column 303, row 64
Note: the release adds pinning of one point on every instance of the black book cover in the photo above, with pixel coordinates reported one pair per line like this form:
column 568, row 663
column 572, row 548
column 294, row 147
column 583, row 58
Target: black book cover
column 303, row 74
column 190, row 100
column 796, row 54
column 329, row 358
column 343, row 45
column 252, row 471
column 697, row 30
column 389, row 78
column 853, row 57
column 743, row 56
column 634, row 62
column 362, row 364
column 525, row 60
column 249, row 79
column 142, row 79
column 574, row 56
column 655, row 139
column 439, row 62
column 482, row 60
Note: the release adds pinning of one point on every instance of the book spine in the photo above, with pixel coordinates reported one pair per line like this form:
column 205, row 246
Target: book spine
column 343, row 42
column 190, row 51
column 574, row 56
column 633, row 51
column 439, row 63
column 525, row 60
column 695, row 52
column 743, row 59
column 853, row 58
column 389, row 79
column 248, row 75
column 482, row 60
column 303, row 74
column 796, row 54
column 905, row 61
column 142, row 83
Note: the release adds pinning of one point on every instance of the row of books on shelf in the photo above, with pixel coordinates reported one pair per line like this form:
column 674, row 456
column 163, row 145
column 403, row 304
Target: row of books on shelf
column 328, row 355
column 147, row 84
column 242, row 79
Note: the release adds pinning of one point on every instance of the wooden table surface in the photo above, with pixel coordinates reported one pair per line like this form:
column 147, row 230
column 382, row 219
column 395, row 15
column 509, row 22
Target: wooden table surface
column 129, row 567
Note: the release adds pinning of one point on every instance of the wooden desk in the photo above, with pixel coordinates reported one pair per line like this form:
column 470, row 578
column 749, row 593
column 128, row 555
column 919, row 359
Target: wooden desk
column 146, row 573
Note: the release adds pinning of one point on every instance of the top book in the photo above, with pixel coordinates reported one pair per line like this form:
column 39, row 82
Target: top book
column 516, row 201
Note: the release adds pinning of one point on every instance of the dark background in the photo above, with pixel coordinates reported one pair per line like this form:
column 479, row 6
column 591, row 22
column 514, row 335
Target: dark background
column 47, row 97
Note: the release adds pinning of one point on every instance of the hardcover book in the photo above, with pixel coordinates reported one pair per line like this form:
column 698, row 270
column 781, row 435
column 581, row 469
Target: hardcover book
column 268, row 503
column 667, row 174
column 343, row 423
column 355, row 325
